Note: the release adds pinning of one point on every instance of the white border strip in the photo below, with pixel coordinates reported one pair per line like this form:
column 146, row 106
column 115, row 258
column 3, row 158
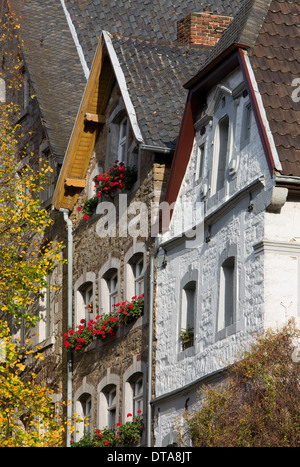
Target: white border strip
column 86, row 70
column 263, row 113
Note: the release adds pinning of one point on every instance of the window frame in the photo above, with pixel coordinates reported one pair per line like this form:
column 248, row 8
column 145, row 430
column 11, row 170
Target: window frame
column 246, row 124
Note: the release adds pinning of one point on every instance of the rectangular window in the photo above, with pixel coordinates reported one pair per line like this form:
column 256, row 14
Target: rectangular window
column 226, row 294
column 246, row 125
column 122, row 140
column 223, row 133
column 200, row 162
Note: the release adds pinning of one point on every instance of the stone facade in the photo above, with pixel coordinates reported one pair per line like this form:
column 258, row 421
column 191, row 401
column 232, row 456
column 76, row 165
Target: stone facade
column 236, row 222
column 118, row 361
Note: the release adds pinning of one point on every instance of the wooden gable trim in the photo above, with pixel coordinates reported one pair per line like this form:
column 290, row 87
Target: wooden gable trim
column 85, row 131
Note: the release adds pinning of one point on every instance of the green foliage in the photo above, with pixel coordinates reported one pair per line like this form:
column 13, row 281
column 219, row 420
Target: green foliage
column 90, row 205
column 259, row 403
column 131, row 431
column 100, row 439
column 187, row 335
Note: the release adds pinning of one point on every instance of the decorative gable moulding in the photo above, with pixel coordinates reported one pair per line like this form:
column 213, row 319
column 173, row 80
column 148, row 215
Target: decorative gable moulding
column 202, row 28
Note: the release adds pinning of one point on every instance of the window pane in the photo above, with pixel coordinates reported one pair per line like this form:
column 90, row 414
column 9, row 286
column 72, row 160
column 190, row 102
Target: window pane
column 223, row 145
column 226, row 295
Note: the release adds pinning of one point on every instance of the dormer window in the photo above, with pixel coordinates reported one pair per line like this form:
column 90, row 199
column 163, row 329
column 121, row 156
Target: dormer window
column 118, row 142
column 122, row 146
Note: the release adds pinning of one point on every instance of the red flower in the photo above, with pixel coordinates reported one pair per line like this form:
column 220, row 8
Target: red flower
column 139, row 411
column 119, row 424
column 86, row 217
column 79, row 208
column 129, row 415
column 106, row 443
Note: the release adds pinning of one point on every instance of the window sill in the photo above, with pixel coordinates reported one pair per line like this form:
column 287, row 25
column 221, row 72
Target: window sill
column 189, row 352
column 48, row 342
column 229, row 330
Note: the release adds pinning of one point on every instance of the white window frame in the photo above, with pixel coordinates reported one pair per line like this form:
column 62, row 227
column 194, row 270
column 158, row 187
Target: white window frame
column 106, row 294
column 113, row 289
column 138, row 395
column 138, row 272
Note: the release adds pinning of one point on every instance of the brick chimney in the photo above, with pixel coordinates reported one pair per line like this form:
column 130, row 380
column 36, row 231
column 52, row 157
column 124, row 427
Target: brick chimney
column 202, row 28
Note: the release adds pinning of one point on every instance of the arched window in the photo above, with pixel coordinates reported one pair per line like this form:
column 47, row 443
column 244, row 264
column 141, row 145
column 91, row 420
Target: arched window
column 135, row 275
column 108, row 406
column 135, row 269
column 118, row 135
column 188, row 305
column 84, row 410
column 110, row 289
column 134, row 395
column 109, row 285
column 137, row 392
column 85, row 298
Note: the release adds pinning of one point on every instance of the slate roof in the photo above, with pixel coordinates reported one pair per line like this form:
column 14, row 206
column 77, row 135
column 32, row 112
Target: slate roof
column 271, row 29
column 155, row 73
column 275, row 59
column 57, row 75
column 150, row 19
column 55, row 71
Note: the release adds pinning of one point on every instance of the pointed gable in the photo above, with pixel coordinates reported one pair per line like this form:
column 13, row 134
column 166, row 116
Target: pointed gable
column 262, row 40
column 89, row 118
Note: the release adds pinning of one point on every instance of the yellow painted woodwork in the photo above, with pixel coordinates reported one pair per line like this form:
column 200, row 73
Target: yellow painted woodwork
column 84, row 135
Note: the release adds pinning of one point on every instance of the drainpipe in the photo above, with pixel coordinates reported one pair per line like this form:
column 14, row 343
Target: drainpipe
column 70, row 286
column 150, row 339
